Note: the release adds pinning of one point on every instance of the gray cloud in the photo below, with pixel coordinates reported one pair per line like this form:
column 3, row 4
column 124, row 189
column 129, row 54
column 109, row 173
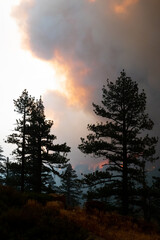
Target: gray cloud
column 93, row 34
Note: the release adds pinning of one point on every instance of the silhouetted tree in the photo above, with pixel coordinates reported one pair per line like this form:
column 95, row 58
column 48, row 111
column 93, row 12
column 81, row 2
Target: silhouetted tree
column 156, row 181
column 13, row 177
column 120, row 139
column 10, row 172
column 142, row 194
column 23, row 105
column 3, row 166
column 71, row 186
column 45, row 155
column 36, row 153
column 155, row 197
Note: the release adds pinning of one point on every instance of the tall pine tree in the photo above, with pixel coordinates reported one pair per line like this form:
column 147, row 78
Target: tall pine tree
column 45, row 156
column 121, row 138
column 36, row 152
column 23, row 106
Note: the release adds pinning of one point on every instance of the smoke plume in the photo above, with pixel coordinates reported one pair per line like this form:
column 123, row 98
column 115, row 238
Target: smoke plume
column 94, row 40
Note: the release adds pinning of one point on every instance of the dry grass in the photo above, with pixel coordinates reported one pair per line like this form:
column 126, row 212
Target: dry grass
column 41, row 218
column 55, row 205
column 112, row 226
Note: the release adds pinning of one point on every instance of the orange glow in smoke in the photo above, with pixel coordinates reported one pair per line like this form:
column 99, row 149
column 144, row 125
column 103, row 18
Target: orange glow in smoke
column 99, row 165
column 122, row 8
column 69, row 85
column 103, row 163
column 68, row 75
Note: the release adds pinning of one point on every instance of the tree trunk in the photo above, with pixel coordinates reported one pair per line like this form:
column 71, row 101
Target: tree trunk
column 125, row 204
column 39, row 167
column 23, row 152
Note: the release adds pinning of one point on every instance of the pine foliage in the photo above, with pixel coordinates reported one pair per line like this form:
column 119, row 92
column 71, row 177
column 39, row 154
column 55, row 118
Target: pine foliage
column 120, row 138
column 36, row 153
column 71, row 186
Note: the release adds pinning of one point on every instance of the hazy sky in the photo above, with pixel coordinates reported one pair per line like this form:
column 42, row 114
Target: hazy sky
column 65, row 50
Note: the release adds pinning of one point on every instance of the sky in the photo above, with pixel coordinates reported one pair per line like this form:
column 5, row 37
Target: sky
column 65, row 50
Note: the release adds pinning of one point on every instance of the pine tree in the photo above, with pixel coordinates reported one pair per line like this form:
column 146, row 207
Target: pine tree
column 120, row 138
column 45, row 155
column 71, row 186
column 157, row 181
column 37, row 155
column 23, row 106
column 3, row 166
column 143, row 191
column 155, row 197
column 10, row 172
column 13, row 176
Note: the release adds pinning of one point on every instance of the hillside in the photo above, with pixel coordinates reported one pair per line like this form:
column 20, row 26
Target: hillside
column 32, row 216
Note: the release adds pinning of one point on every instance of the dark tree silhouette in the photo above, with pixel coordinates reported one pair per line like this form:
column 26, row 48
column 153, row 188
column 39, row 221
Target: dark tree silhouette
column 45, row 155
column 13, row 174
column 155, row 197
column 23, row 105
column 3, row 166
column 71, row 186
column 156, row 181
column 120, row 138
column 36, row 153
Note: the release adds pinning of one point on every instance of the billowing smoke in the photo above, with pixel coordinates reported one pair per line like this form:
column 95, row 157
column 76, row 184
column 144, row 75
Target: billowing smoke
column 95, row 40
